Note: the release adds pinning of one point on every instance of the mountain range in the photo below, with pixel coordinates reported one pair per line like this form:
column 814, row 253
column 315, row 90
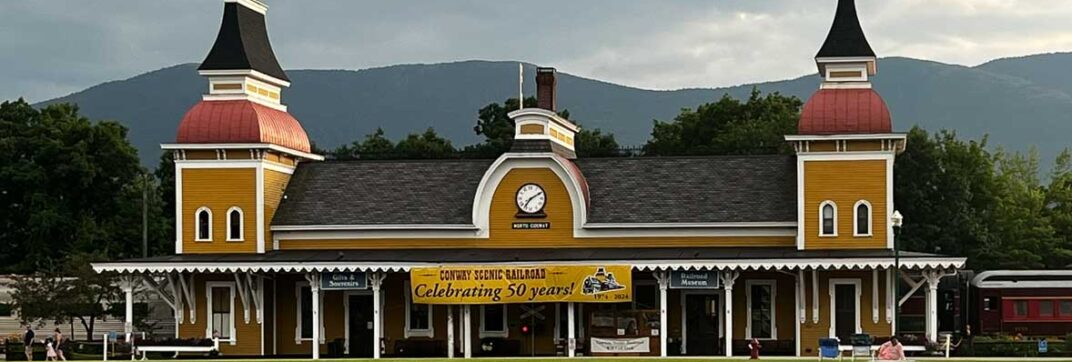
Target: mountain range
column 1018, row 102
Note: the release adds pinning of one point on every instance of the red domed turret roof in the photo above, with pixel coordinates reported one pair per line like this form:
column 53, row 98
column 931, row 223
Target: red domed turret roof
column 241, row 121
column 844, row 111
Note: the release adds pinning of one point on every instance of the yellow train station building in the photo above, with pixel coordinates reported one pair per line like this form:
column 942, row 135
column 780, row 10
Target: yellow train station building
column 279, row 252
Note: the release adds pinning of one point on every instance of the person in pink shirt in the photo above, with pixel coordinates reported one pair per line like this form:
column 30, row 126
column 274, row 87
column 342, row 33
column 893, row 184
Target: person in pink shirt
column 891, row 350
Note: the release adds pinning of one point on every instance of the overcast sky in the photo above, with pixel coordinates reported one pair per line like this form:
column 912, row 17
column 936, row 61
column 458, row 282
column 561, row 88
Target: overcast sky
column 51, row 48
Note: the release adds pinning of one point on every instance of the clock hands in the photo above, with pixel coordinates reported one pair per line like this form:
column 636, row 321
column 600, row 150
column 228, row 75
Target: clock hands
column 527, row 202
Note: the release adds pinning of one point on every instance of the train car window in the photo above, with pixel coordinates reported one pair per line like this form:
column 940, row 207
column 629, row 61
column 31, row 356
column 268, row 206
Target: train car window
column 1019, row 308
column 990, row 304
column 1066, row 308
column 1046, row 308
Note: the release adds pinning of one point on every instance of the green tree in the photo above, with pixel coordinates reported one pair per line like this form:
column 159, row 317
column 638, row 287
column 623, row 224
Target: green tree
column 593, row 143
column 374, row 146
column 68, row 293
column 494, row 123
column 729, row 126
column 64, row 184
column 426, row 145
column 1059, row 210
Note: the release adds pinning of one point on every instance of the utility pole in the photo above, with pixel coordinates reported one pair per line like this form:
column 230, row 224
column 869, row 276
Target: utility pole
column 896, row 220
column 145, row 215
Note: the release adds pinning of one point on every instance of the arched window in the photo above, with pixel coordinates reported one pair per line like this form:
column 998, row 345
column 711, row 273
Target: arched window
column 862, row 219
column 234, row 224
column 203, row 224
column 828, row 219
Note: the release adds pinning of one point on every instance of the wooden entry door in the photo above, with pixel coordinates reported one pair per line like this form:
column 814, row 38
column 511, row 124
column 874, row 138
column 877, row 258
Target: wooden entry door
column 359, row 325
column 701, row 324
column 845, row 311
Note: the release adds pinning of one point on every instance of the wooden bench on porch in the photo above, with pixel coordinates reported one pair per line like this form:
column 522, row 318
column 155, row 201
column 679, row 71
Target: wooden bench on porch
column 177, row 349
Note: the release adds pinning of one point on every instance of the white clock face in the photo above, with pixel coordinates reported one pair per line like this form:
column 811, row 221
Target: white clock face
column 531, row 198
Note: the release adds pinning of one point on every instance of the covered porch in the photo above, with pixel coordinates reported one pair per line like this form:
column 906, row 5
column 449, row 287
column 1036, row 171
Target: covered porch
column 277, row 303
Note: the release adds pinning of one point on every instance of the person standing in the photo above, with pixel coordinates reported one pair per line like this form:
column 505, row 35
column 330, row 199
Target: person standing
column 27, row 340
column 60, row 341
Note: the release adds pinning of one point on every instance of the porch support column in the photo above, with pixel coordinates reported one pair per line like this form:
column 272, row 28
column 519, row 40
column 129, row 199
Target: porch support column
column 467, row 331
column 571, row 332
column 450, row 331
column 728, row 277
column 932, row 277
column 664, row 281
column 127, row 283
column 314, row 287
column 376, row 280
column 798, row 288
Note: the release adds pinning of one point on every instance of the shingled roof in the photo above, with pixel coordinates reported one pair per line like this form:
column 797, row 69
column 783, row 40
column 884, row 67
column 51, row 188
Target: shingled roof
column 691, row 189
column 623, row 190
column 242, row 43
column 382, row 192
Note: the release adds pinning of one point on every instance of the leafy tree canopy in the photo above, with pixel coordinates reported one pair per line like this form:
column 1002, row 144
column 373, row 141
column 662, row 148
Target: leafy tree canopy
column 729, row 127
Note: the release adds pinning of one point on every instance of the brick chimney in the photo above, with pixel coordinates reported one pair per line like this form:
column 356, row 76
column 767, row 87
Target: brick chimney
column 545, row 88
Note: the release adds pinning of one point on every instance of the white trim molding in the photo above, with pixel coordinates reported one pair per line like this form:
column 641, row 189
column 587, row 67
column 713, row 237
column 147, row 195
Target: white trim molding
column 855, row 282
column 504, row 333
column 868, row 136
column 232, row 334
column 773, row 285
column 416, row 332
column 856, row 219
column 241, row 224
column 234, row 146
column 197, row 223
column 822, row 219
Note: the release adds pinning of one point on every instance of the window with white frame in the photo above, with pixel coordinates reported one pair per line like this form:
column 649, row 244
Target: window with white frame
column 761, row 294
column 203, row 224
column 234, row 224
column 303, row 293
column 221, row 310
column 828, row 219
column 493, row 321
column 418, row 318
column 862, row 219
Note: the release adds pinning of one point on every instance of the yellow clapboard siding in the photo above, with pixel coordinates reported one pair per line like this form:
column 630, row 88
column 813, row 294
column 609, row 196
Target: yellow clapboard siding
column 219, row 190
column 844, row 183
column 247, row 335
column 275, row 183
column 811, row 332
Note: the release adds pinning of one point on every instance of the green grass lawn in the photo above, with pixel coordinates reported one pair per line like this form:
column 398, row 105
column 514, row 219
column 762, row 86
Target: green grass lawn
column 632, row 359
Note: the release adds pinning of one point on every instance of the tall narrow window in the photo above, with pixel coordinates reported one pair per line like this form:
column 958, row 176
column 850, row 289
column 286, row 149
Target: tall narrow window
column 204, row 224
column 1019, row 308
column 862, row 219
column 418, row 318
column 1066, row 308
column 828, row 218
column 1045, row 308
column 234, row 224
column 305, row 313
column 221, row 314
column 761, row 309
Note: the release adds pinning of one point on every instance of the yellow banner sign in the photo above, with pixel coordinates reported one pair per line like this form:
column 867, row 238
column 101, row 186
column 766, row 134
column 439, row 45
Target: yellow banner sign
column 522, row 284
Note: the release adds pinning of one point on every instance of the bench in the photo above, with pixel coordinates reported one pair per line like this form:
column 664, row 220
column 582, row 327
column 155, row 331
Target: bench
column 177, row 349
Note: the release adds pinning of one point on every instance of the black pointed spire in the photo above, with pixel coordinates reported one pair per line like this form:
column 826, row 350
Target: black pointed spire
column 846, row 38
column 242, row 43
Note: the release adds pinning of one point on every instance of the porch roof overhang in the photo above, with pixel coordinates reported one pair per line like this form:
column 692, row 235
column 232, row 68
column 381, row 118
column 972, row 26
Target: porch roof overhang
column 639, row 258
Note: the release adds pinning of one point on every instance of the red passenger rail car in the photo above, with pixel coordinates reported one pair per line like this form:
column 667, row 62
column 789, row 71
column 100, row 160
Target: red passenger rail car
column 1026, row 302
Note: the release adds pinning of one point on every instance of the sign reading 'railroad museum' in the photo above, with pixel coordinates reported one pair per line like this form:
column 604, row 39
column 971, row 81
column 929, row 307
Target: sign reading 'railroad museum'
column 521, row 284
column 687, row 279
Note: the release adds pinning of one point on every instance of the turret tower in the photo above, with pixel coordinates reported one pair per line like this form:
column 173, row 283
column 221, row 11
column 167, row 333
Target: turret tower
column 845, row 147
column 236, row 149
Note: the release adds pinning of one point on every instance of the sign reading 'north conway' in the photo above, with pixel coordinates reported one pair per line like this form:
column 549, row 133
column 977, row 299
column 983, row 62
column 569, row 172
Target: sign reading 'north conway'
column 521, row 284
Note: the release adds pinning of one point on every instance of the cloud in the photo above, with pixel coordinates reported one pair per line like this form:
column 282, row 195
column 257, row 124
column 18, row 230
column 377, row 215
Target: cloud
column 56, row 47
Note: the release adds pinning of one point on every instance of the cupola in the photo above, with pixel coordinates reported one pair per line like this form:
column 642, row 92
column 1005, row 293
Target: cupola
column 243, row 104
column 541, row 129
column 845, row 102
